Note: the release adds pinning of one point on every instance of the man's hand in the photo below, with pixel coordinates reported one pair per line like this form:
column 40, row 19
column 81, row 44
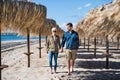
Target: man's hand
column 47, row 51
column 61, row 50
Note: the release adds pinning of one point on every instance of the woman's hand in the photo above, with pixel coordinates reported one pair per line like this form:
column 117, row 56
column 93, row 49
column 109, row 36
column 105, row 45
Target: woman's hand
column 61, row 50
column 47, row 51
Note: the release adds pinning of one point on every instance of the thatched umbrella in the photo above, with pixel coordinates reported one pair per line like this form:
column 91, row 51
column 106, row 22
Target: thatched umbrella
column 27, row 31
column 37, row 31
column 115, row 16
column 80, row 31
column 92, row 17
column 86, row 24
column 1, row 66
column 45, row 30
column 108, row 18
column 110, row 26
column 59, row 31
column 18, row 15
column 104, row 22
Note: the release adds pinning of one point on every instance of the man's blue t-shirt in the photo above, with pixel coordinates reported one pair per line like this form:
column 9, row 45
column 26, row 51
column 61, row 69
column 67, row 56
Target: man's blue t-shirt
column 71, row 40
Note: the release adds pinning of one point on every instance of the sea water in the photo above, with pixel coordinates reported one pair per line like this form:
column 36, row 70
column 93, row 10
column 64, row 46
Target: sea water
column 16, row 37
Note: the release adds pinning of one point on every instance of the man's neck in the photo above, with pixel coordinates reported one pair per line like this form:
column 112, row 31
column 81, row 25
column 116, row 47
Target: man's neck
column 70, row 31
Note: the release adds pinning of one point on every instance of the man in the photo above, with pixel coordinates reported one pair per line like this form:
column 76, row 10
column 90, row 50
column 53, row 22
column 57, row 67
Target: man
column 53, row 46
column 71, row 39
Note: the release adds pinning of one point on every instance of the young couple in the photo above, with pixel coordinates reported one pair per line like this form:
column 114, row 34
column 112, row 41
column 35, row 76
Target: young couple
column 71, row 39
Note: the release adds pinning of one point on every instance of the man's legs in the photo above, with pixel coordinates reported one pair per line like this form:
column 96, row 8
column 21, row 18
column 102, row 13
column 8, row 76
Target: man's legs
column 50, row 55
column 55, row 61
column 68, row 58
column 73, row 59
column 68, row 66
column 72, row 64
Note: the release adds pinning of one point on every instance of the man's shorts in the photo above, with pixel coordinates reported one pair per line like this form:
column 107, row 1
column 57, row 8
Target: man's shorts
column 70, row 54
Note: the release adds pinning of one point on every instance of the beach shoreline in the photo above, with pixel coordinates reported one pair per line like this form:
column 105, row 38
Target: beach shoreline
column 9, row 45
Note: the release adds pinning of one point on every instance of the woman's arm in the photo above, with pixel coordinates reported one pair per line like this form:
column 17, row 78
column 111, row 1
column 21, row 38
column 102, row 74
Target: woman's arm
column 47, row 45
column 59, row 42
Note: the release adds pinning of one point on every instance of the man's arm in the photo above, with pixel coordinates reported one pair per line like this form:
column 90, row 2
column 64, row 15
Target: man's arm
column 78, row 43
column 63, row 42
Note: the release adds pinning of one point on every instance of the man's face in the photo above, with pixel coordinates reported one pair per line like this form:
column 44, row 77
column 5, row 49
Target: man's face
column 69, row 28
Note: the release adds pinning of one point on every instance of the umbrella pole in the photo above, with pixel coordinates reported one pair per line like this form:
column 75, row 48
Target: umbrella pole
column 118, row 41
column 28, row 43
column 84, row 42
column 39, row 44
column 0, row 50
column 80, row 41
column 46, row 40
column 1, row 66
column 107, row 52
column 97, row 40
column 88, row 44
column 101, row 41
column 28, row 47
column 0, row 53
column 95, row 47
column 112, row 40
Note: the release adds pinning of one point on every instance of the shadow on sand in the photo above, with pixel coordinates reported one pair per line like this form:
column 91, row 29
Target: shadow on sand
column 89, row 56
column 97, row 64
column 96, row 75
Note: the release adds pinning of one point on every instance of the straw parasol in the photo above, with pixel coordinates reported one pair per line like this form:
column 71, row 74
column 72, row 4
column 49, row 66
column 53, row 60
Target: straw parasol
column 45, row 30
column 59, row 31
column 1, row 66
column 79, row 29
column 20, row 15
column 103, row 22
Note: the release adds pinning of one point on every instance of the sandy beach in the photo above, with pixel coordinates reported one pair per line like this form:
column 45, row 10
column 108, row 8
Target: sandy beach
column 93, row 23
column 86, row 67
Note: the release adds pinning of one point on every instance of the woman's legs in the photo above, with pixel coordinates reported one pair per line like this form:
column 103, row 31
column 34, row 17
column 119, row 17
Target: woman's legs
column 50, row 56
column 55, row 61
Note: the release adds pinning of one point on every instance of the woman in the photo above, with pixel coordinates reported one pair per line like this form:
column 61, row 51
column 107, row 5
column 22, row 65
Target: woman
column 53, row 46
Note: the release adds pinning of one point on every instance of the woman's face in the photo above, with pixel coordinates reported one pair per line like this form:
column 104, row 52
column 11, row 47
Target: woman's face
column 54, row 32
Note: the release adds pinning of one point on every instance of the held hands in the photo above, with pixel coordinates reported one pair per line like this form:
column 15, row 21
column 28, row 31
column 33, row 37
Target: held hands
column 61, row 50
column 47, row 51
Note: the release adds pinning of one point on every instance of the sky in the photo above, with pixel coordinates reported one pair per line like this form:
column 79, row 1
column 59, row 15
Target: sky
column 64, row 11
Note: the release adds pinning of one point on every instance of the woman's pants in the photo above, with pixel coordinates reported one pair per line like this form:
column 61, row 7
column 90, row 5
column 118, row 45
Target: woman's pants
column 51, row 55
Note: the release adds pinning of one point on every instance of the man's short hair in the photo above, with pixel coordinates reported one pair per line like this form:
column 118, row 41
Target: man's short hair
column 70, row 24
